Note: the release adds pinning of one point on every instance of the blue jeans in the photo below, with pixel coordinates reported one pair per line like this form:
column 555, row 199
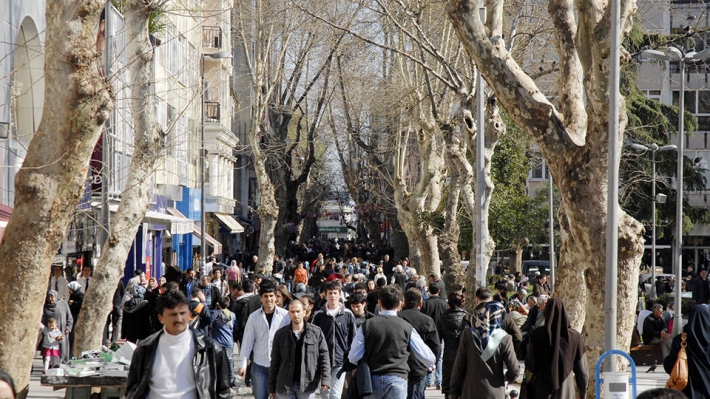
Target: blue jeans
column 229, row 350
column 416, row 389
column 294, row 393
column 435, row 377
column 336, row 385
column 388, row 387
column 259, row 377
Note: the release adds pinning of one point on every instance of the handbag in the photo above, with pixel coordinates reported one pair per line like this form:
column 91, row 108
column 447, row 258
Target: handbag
column 679, row 373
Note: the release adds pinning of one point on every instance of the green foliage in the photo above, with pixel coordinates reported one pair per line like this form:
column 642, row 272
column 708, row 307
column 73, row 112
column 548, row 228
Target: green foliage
column 514, row 217
column 650, row 122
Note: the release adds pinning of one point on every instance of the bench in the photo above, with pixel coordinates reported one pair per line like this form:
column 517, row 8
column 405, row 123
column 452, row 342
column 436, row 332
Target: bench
column 646, row 355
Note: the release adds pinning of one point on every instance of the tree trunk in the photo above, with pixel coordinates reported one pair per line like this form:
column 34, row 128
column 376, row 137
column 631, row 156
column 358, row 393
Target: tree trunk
column 149, row 143
column 268, row 209
column 455, row 277
column 288, row 213
column 516, row 264
column 425, row 196
column 494, row 131
column 77, row 102
column 573, row 140
column 399, row 241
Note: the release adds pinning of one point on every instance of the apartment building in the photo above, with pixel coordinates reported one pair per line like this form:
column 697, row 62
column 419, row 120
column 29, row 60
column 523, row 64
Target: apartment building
column 661, row 81
column 183, row 37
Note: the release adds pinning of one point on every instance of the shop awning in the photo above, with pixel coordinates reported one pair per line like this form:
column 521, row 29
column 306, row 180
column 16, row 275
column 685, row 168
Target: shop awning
column 177, row 224
column 216, row 245
column 230, row 223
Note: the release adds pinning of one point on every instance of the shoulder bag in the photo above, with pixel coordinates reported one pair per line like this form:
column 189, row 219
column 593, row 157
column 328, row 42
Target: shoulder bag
column 679, row 374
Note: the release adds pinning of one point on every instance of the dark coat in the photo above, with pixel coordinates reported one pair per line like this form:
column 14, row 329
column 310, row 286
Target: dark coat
column 75, row 301
column 425, row 327
column 652, row 328
column 400, row 279
column 434, row 307
column 472, row 377
column 209, row 365
column 701, row 290
column 450, row 327
column 314, row 366
column 137, row 322
column 339, row 332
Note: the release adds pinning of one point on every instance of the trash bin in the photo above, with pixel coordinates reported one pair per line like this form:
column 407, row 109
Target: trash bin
column 616, row 385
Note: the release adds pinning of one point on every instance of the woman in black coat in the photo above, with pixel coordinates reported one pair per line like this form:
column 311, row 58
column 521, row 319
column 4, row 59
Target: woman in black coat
column 136, row 316
column 698, row 351
column 450, row 326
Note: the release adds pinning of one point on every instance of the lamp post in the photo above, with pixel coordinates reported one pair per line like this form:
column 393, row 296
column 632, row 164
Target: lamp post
column 674, row 54
column 203, row 248
column 661, row 198
column 552, row 231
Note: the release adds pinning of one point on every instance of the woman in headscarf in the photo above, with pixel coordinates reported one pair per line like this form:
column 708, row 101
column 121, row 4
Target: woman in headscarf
column 698, row 352
column 59, row 310
column 76, row 299
column 555, row 351
column 136, row 316
column 450, row 326
column 484, row 351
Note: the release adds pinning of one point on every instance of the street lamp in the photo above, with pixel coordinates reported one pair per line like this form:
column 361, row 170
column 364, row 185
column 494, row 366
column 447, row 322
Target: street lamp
column 661, row 198
column 674, row 54
column 203, row 248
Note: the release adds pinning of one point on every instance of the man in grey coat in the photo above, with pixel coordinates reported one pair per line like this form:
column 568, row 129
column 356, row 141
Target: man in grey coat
column 300, row 361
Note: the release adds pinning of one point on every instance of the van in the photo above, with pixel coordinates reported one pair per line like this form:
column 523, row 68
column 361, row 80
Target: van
column 531, row 266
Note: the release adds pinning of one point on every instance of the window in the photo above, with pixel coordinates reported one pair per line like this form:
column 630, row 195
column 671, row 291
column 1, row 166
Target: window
column 653, row 95
column 538, row 167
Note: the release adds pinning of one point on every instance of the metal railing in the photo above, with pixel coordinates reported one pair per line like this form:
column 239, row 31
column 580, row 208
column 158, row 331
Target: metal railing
column 212, row 36
column 212, row 111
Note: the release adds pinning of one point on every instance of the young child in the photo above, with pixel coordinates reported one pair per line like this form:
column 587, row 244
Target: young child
column 51, row 352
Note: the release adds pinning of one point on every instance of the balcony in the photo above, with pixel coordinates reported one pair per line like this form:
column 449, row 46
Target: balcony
column 212, row 111
column 212, row 37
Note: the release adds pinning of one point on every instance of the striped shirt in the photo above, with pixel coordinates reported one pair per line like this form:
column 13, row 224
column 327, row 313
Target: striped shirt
column 258, row 336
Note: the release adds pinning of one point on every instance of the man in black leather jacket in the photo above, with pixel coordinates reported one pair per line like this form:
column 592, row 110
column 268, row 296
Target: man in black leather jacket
column 161, row 366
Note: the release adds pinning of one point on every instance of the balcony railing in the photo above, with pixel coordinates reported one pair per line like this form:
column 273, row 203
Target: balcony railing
column 212, row 111
column 212, row 36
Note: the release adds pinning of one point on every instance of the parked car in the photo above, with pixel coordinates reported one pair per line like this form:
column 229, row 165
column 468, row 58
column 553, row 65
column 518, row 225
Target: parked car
column 529, row 267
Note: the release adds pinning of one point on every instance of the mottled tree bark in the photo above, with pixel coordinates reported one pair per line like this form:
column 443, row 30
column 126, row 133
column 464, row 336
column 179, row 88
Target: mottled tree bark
column 149, row 144
column 424, row 196
column 77, row 102
column 573, row 139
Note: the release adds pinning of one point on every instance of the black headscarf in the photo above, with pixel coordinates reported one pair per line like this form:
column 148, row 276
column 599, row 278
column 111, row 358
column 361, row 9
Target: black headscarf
column 698, row 330
column 555, row 347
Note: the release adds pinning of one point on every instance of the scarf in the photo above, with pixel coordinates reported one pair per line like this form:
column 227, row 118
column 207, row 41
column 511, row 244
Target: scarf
column 555, row 346
column 486, row 329
column 54, row 294
column 137, row 291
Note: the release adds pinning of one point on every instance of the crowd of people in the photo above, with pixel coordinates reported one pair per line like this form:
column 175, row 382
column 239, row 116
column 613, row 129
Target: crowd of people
column 342, row 325
column 349, row 327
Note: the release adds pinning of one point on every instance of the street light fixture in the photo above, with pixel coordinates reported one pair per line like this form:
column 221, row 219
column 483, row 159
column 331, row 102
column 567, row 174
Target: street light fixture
column 220, row 55
column 674, row 54
column 661, row 198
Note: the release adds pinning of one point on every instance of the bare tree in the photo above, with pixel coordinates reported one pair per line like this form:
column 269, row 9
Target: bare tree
column 573, row 138
column 77, row 102
column 149, row 144
column 289, row 58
